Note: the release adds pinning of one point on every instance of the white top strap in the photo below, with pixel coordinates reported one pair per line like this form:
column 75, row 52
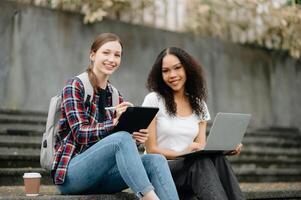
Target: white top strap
column 87, row 85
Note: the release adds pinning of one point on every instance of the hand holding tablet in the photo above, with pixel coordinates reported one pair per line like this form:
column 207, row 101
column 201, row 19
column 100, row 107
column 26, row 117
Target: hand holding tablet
column 135, row 118
column 141, row 136
column 119, row 109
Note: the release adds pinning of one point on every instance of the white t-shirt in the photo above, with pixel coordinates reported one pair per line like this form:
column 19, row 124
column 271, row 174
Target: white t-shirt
column 176, row 132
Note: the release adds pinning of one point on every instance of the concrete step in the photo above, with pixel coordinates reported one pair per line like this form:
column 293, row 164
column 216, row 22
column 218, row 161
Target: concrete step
column 287, row 133
column 28, row 159
column 14, row 176
column 22, row 119
column 271, row 151
column 280, row 190
column 264, row 160
column 19, row 157
column 21, row 129
column 52, row 193
column 29, row 113
column 264, row 157
column 268, row 175
column 247, row 151
column 31, row 159
column 247, row 141
column 270, row 141
column 281, row 129
column 11, row 140
column 20, row 141
column 19, row 161
column 254, row 191
column 19, row 151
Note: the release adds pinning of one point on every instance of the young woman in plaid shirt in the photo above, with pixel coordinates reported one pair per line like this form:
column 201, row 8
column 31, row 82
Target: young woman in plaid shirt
column 90, row 158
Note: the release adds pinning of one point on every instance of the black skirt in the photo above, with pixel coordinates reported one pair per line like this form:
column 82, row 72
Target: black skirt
column 207, row 177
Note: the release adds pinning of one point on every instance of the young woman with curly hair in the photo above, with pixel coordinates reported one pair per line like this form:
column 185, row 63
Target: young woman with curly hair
column 178, row 88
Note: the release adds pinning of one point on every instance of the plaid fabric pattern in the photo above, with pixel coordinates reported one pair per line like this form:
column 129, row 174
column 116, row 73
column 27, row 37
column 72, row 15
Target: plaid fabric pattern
column 79, row 127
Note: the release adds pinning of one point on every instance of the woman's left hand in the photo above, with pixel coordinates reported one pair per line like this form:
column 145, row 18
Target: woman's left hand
column 237, row 150
column 141, row 136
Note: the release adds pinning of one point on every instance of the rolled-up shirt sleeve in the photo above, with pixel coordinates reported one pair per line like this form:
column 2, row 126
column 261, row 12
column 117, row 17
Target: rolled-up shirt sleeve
column 206, row 115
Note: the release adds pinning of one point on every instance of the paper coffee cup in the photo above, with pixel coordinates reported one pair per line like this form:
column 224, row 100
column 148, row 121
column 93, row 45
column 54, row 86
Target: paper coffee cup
column 32, row 183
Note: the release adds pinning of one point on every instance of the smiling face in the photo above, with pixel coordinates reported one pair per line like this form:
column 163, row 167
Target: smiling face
column 107, row 58
column 173, row 73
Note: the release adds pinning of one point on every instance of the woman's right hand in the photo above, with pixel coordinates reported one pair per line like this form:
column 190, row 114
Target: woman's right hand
column 121, row 108
column 193, row 147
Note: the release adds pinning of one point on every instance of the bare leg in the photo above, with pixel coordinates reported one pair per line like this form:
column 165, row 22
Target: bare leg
column 151, row 196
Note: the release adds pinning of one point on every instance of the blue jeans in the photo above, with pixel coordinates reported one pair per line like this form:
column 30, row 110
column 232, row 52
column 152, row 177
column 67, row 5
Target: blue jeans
column 114, row 164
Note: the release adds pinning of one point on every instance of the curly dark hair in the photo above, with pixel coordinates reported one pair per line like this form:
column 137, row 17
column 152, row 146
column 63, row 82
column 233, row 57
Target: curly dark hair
column 195, row 86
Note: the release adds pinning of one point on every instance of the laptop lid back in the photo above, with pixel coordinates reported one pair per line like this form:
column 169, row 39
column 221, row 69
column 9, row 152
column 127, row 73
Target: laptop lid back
column 227, row 131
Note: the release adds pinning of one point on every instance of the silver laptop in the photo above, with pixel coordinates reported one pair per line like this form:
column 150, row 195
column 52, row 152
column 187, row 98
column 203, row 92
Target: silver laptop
column 225, row 134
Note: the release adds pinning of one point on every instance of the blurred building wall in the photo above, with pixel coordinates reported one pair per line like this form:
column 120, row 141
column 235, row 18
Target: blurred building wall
column 41, row 48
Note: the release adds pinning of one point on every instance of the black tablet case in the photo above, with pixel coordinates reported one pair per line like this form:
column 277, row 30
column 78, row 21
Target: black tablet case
column 135, row 118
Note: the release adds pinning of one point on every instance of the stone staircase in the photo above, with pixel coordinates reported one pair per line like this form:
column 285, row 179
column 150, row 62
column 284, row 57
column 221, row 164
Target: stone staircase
column 269, row 156
column 20, row 138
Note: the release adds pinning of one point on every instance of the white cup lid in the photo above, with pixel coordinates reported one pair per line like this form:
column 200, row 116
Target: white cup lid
column 32, row 175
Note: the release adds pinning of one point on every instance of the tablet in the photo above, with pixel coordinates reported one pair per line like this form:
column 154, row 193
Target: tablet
column 135, row 118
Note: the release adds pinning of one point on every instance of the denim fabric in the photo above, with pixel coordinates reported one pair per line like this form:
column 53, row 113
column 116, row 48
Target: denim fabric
column 114, row 164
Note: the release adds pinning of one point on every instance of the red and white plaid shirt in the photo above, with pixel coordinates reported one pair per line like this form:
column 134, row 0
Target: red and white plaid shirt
column 79, row 125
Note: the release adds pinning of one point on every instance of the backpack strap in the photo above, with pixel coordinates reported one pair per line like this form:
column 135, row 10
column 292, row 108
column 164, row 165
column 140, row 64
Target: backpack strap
column 87, row 85
column 115, row 96
column 89, row 89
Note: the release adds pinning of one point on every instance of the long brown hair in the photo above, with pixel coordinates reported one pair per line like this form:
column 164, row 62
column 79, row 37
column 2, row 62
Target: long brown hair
column 98, row 42
column 195, row 85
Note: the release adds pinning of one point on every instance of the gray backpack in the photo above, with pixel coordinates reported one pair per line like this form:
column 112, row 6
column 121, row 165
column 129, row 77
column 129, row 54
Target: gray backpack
column 54, row 112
